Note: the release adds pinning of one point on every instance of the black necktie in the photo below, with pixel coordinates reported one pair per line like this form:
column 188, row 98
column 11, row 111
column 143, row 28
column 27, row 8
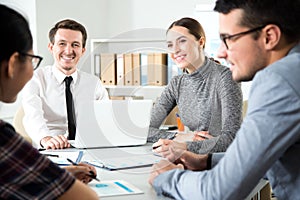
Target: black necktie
column 70, row 109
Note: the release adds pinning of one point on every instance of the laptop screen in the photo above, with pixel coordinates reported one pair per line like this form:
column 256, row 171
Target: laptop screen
column 110, row 123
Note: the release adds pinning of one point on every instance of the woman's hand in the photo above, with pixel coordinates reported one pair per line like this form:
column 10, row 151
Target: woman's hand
column 82, row 172
column 201, row 135
column 184, row 137
column 169, row 149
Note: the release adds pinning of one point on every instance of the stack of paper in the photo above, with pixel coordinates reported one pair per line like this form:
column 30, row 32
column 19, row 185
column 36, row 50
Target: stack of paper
column 129, row 162
column 60, row 157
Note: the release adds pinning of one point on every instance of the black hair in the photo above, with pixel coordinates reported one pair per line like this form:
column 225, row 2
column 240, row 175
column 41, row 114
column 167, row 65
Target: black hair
column 68, row 24
column 283, row 13
column 15, row 35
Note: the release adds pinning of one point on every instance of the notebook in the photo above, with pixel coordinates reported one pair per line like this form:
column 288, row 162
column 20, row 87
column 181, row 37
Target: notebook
column 112, row 123
column 122, row 157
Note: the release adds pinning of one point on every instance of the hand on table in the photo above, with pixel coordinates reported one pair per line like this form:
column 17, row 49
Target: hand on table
column 169, row 149
column 192, row 161
column 162, row 167
column 55, row 142
column 82, row 172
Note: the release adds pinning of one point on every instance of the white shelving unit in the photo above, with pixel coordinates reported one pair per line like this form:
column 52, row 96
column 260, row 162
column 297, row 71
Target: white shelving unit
column 125, row 46
column 129, row 45
column 147, row 92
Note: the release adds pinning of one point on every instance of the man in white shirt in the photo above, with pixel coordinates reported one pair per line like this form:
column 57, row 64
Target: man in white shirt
column 44, row 99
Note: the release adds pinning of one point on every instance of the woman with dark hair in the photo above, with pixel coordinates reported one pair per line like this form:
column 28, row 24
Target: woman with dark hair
column 208, row 100
column 26, row 174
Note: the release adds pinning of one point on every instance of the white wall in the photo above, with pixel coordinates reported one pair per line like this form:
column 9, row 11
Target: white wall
column 102, row 19
column 112, row 18
column 91, row 13
column 27, row 8
column 108, row 18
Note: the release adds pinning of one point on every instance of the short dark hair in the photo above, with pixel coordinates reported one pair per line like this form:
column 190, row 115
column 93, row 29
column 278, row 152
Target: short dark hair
column 15, row 35
column 283, row 13
column 68, row 24
column 192, row 25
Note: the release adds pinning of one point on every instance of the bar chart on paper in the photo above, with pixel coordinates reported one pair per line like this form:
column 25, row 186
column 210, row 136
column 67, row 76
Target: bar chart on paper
column 114, row 188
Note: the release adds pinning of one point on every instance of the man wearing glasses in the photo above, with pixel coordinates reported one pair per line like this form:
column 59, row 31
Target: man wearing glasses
column 51, row 97
column 260, row 42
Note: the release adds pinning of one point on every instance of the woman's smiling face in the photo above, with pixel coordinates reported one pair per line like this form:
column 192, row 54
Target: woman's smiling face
column 184, row 48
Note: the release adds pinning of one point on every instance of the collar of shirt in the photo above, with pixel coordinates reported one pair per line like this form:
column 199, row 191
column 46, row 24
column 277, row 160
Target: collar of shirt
column 60, row 77
column 203, row 71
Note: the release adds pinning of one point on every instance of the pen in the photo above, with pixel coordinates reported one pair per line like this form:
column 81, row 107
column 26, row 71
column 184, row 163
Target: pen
column 179, row 123
column 202, row 136
column 92, row 174
column 71, row 161
column 156, row 147
column 170, row 138
column 51, row 155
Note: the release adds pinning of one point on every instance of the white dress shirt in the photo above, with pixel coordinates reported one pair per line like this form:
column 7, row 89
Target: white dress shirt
column 44, row 100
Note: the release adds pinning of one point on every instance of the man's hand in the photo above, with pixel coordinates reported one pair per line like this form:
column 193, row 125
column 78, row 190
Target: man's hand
column 55, row 142
column 82, row 172
column 192, row 161
column 169, row 149
column 162, row 167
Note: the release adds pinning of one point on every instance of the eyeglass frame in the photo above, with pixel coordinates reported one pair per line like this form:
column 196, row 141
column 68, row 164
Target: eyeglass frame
column 33, row 56
column 224, row 37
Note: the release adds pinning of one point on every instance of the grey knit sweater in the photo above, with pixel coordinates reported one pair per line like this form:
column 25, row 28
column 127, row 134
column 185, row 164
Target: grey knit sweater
column 208, row 100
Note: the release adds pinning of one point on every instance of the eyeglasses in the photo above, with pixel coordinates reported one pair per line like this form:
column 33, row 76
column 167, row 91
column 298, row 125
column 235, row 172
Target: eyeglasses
column 225, row 38
column 36, row 60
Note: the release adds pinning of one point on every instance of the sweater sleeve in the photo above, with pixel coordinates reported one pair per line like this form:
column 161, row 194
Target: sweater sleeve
column 229, row 93
column 162, row 107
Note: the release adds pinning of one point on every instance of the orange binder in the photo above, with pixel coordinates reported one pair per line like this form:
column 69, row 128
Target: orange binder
column 160, row 77
column 108, row 68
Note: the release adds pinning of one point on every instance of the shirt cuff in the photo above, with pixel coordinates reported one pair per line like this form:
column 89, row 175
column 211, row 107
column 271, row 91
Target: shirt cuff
column 208, row 161
column 216, row 157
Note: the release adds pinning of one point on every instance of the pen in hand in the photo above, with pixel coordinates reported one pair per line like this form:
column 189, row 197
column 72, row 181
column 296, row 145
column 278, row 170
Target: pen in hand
column 156, row 147
column 171, row 138
column 51, row 155
column 71, row 161
column 92, row 174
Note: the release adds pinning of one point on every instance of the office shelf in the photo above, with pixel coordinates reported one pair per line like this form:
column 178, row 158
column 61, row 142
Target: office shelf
column 147, row 92
column 131, row 45
column 128, row 45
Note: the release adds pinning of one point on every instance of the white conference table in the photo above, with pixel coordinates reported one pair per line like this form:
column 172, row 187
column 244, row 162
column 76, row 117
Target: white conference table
column 136, row 176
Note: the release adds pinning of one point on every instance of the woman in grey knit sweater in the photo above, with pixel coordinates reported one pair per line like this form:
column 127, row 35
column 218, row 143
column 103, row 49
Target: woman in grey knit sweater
column 207, row 97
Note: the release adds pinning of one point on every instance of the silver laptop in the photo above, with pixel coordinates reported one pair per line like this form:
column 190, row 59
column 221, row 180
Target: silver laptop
column 112, row 123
